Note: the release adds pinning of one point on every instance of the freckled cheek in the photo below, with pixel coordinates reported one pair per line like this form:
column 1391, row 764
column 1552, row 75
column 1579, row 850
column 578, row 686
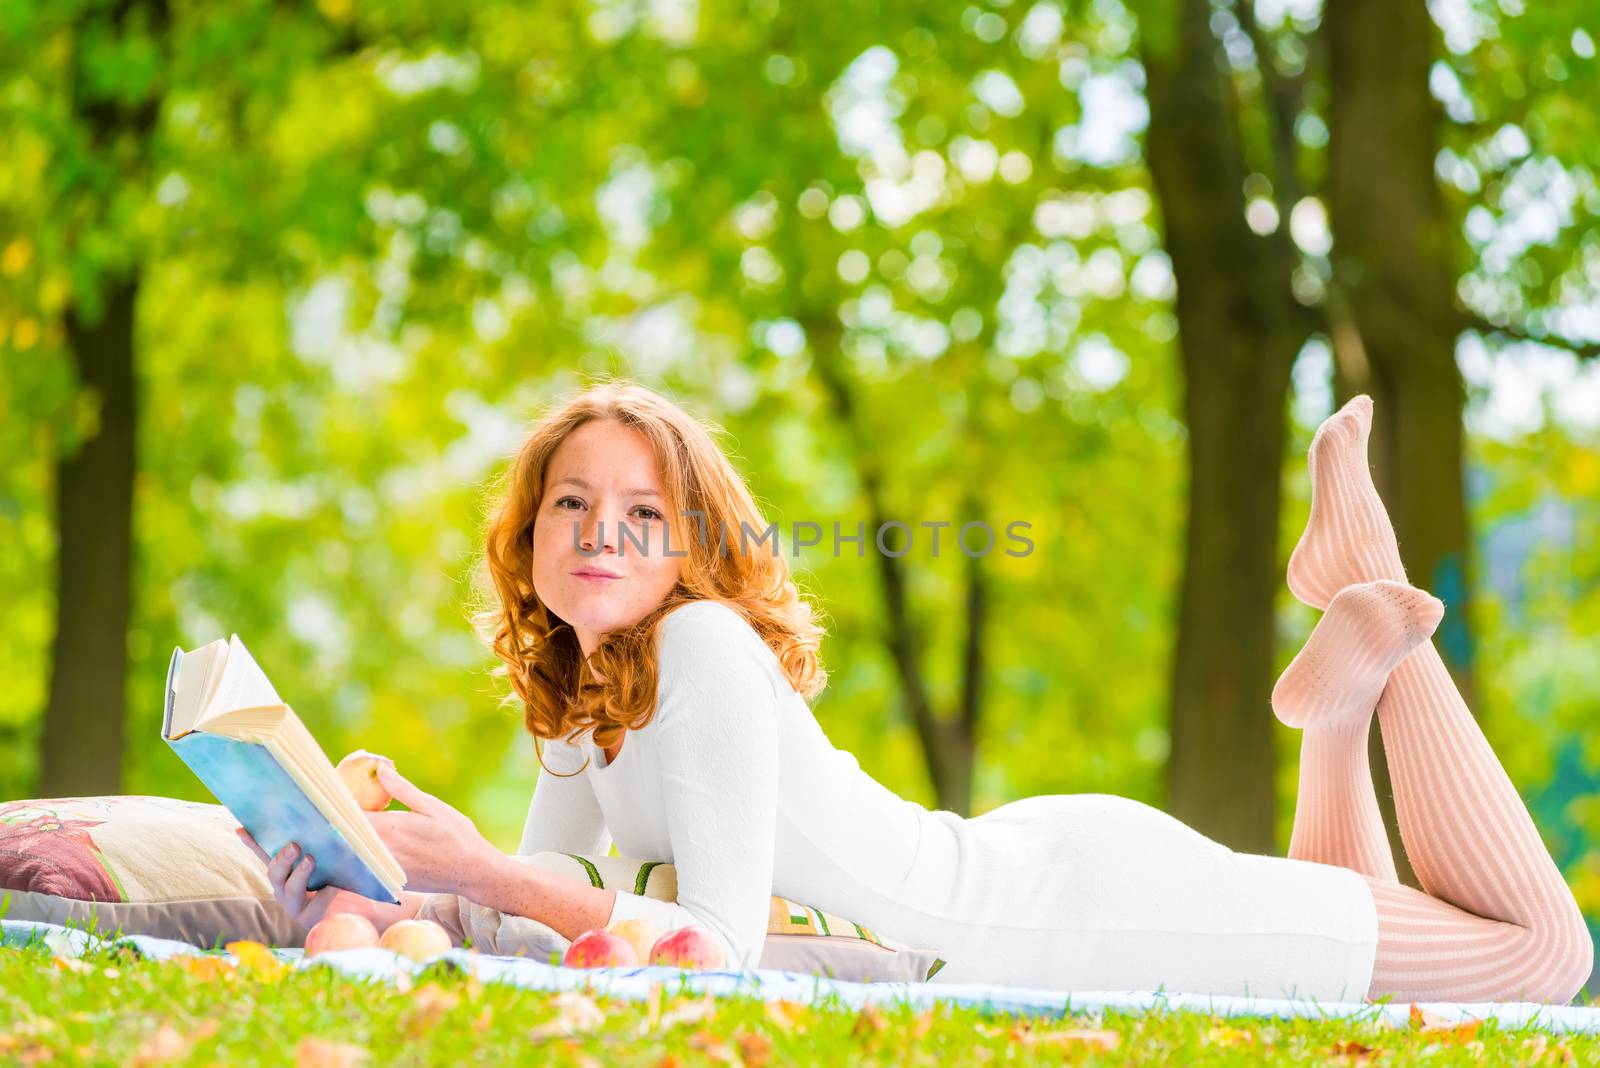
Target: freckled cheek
column 548, row 549
column 663, row 572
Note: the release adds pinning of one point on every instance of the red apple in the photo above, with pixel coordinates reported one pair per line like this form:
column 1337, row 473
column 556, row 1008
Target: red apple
column 417, row 939
column 359, row 770
column 599, row 948
column 687, row 947
column 342, row 930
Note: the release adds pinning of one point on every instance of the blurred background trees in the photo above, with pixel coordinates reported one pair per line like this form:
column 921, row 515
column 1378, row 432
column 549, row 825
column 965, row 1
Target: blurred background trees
column 281, row 286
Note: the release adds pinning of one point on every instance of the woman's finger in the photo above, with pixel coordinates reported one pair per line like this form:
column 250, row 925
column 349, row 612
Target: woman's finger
column 252, row 845
column 283, row 864
column 401, row 789
column 294, row 887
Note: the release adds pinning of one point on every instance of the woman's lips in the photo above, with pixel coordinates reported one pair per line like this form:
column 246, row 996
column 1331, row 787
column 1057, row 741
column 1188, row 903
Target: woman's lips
column 594, row 576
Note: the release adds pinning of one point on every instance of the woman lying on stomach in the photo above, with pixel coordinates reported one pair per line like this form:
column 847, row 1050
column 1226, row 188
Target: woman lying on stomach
column 665, row 661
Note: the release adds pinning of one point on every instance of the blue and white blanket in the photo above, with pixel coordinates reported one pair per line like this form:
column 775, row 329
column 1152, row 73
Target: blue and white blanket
column 635, row 983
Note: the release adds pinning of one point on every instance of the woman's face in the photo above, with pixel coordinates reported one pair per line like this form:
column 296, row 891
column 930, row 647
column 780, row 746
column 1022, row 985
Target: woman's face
column 602, row 500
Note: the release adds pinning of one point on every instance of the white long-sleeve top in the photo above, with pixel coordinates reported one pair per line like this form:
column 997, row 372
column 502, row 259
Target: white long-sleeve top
column 734, row 782
column 699, row 786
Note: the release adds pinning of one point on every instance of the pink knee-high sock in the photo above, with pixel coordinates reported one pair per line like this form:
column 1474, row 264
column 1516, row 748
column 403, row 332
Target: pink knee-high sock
column 1348, row 536
column 1497, row 921
column 1330, row 690
column 1337, row 819
column 1478, row 855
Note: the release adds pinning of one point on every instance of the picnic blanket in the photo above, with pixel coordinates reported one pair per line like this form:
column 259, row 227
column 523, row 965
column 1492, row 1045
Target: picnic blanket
column 989, row 999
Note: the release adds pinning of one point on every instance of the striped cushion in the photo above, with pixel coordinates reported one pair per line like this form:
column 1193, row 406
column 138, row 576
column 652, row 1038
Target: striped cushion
column 792, row 918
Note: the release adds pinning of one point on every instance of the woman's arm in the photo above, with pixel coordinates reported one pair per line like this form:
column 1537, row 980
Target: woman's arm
column 565, row 905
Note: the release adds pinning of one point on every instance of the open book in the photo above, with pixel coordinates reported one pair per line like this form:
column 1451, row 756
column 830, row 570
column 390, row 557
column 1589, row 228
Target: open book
column 224, row 719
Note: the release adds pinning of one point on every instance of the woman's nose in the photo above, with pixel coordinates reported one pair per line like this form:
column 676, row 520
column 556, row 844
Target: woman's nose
column 598, row 533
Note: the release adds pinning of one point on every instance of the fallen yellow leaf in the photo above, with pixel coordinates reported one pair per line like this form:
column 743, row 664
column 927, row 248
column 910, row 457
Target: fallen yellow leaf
column 1352, row 1050
column 1457, row 1030
column 787, row 1015
column 689, row 1012
column 167, row 1044
column 1076, row 1037
column 206, row 967
column 575, row 1013
column 868, row 1022
column 1229, row 1036
column 323, row 1053
column 713, row 1047
column 258, row 960
column 430, row 1002
column 25, row 1049
column 1540, row 1050
column 754, row 1049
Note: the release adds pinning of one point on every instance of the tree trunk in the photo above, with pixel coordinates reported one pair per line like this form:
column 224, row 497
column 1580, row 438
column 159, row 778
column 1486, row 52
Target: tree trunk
column 1239, row 331
column 1395, row 311
column 82, row 742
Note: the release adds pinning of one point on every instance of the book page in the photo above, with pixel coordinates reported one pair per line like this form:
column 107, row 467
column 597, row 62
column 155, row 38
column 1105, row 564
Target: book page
column 196, row 672
column 242, row 685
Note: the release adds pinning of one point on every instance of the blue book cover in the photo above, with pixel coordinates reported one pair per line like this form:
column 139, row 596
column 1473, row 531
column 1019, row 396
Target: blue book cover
column 248, row 780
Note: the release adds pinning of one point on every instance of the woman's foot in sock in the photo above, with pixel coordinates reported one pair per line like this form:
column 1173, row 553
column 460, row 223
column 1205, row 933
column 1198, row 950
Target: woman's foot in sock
column 1348, row 538
column 1336, row 679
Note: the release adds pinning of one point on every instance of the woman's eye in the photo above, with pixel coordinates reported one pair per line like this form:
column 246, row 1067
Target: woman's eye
column 643, row 510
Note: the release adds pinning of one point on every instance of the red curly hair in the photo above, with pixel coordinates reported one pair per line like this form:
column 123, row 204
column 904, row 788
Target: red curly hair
column 539, row 651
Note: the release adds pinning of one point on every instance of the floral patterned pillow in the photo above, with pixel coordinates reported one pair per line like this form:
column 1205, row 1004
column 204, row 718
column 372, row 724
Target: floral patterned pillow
column 146, row 865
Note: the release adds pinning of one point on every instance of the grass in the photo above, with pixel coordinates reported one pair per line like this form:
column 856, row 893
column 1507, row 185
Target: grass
column 112, row 1007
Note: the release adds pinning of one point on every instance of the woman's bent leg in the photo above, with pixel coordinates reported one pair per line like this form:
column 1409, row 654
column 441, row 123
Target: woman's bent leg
column 1501, row 922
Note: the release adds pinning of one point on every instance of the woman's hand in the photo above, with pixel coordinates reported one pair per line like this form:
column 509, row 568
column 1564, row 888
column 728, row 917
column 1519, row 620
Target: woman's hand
column 288, row 873
column 439, row 848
